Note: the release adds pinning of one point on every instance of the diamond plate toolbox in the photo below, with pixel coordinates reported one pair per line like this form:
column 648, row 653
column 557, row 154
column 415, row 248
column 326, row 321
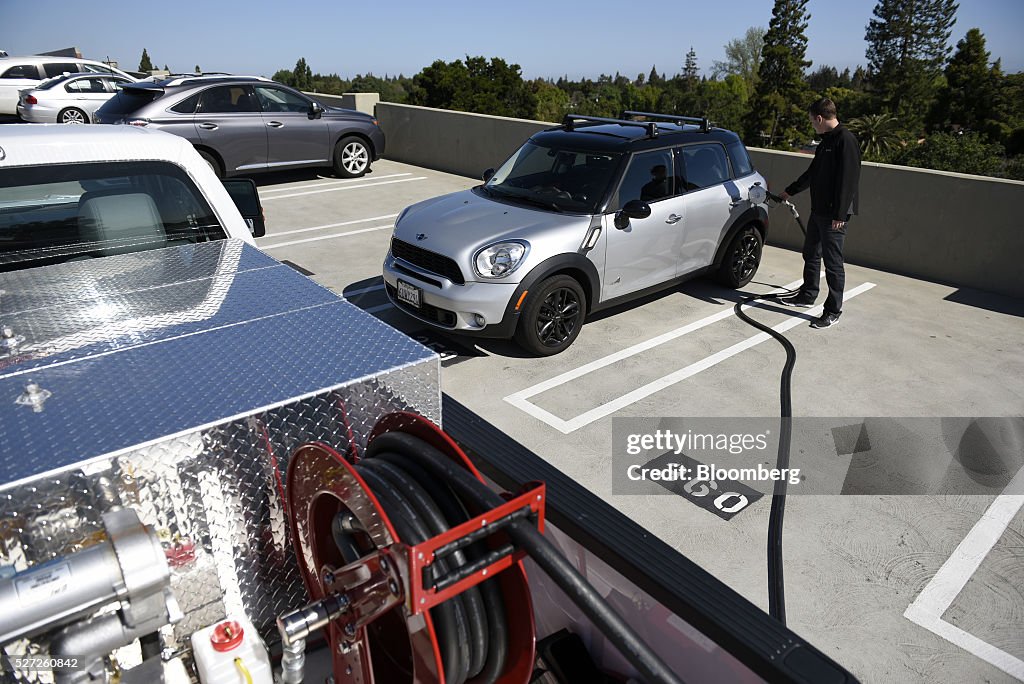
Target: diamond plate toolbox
column 177, row 382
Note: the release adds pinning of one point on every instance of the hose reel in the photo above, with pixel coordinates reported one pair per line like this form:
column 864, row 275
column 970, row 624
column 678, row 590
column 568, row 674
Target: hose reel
column 413, row 581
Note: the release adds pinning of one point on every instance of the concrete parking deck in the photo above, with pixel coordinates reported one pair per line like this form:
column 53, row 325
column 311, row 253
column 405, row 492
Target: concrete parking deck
column 896, row 588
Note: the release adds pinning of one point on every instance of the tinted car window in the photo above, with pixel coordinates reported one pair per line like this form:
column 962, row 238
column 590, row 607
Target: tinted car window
column 740, row 159
column 187, row 106
column 227, row 100
column 126, row 101
column 650, row 177
column 58, row 68
column 96, row 68
column 705, row 165
column 55, row 213
column 280, row 100
column 22, row 71
column 86, row 85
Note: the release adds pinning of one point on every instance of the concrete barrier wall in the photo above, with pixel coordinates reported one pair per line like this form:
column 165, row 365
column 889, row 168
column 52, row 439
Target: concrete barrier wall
column 456, row 142
column 946, row 227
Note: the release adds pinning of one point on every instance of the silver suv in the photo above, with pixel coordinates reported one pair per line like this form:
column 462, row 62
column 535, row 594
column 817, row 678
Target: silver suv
column 582, row 217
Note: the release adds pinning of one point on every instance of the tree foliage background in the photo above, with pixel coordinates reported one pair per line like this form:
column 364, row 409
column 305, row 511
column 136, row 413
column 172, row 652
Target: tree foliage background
column 917, row 100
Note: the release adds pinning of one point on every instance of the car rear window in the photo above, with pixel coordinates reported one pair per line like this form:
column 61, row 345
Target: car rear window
column 50, row 214
column 128, row 100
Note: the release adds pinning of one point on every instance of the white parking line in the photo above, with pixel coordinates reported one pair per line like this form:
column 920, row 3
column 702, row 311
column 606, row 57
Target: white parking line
column 379, row 307
column 356, row 293
column 285, row 188
column 327, row 237
column 347, row 187
column 635, row 349
column 938, row 595
column 519, row 399
column 330, row 225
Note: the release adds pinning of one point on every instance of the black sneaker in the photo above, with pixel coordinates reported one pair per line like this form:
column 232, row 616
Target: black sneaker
column 800, row 299
column 826, row 320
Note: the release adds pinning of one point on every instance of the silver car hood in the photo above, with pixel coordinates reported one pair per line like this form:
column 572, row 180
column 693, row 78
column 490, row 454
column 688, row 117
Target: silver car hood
column 459, row 224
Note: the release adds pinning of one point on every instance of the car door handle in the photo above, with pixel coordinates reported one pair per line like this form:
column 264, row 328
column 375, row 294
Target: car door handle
column 275, row 124
column 208, row 126
column 673, row 218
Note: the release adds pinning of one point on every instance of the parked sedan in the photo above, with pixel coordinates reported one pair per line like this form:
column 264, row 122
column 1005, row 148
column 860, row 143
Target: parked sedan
column 70, row 98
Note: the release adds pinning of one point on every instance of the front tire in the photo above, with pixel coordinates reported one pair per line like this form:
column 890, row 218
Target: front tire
column 72, row 115
column 742, row 258
column 553, row 316
column 351, row 157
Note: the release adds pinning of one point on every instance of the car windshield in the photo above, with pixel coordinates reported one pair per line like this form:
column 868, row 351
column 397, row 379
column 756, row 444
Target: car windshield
column 556, row 179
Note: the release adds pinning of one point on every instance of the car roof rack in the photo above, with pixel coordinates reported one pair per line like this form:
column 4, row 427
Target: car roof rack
column 702, row 121
column 569, row 122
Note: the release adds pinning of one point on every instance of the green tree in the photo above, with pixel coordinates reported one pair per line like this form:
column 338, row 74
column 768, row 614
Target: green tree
column 970, row 98
column 958, row 152
column 878, row 135
column 145, row 64
column 302, row 75
column 552, row 101
column 907, row 45
column 167, row 69
column 198, row 70
column 724, row 102
column 284, row 76
column 476, row 85
column 742, row 58
column 777, row 116
column 690, row 71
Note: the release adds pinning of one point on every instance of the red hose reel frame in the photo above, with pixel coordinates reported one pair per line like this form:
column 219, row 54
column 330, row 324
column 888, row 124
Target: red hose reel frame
column 320, row 484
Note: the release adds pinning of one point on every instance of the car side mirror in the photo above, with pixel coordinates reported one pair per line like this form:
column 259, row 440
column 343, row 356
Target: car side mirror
column 316, row 110
column 633, row 209
column 488, row 174
column 245, row 196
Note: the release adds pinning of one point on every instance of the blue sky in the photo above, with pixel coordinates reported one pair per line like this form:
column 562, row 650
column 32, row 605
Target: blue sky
column 403, row 36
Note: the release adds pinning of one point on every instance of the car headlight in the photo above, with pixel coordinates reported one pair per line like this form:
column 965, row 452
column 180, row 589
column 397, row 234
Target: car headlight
column 498, row 260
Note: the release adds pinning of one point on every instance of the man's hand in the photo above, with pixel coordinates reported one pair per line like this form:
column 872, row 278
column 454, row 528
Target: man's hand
column 785, row 196
column 837, row 224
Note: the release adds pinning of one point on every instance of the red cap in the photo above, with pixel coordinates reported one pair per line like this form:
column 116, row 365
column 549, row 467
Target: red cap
column 226, row 636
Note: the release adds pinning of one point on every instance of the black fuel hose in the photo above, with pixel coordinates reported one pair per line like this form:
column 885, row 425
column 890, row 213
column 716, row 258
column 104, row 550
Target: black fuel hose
column 776, row 579
column 548, row 558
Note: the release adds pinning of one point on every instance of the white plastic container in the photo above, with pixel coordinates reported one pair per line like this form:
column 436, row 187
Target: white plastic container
column 217, row 647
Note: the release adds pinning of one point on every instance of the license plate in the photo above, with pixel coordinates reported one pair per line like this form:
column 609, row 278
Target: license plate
column 410, row 294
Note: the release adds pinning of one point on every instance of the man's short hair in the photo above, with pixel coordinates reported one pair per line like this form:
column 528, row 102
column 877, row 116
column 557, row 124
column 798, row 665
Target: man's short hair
column 825, row 108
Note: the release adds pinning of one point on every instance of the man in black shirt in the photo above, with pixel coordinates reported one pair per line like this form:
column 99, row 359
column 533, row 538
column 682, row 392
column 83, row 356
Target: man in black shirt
column 833, row 177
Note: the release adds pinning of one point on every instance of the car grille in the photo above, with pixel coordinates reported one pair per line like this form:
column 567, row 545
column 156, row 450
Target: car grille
column 427, row 260
column 428, row 311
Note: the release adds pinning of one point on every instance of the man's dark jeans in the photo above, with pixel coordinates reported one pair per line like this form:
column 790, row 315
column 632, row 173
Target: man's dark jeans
column 822, row 241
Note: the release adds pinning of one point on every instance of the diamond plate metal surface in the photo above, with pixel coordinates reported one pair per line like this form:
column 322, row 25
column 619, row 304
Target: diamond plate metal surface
column 192, row 424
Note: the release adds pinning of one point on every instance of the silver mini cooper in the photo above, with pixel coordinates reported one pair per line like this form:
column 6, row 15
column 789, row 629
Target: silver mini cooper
column 582, row 217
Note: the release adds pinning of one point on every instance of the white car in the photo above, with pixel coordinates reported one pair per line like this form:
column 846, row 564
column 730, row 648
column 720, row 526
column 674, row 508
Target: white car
column 69, row 193
column 19, row 73
column 68, row 98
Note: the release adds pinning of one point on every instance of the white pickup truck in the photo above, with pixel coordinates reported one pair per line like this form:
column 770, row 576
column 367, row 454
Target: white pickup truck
column 72, row 193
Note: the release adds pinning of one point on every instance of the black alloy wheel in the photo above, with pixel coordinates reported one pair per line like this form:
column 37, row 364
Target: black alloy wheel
column 742, row 259
column 553, row 316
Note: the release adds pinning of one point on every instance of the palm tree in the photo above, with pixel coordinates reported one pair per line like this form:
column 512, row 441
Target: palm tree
column 877, row 134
